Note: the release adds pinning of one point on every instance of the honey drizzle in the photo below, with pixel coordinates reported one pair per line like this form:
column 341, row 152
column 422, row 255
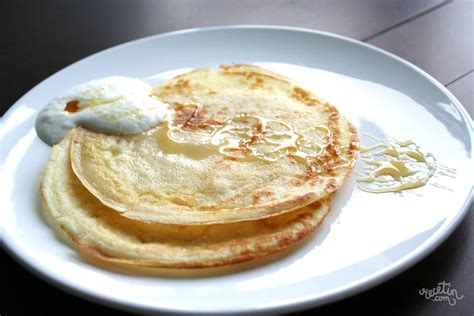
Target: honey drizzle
column 248, row 136
column 281, row 143
column 395, row 166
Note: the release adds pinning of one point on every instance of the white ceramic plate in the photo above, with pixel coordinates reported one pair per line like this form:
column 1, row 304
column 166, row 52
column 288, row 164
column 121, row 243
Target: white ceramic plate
column 366, row 239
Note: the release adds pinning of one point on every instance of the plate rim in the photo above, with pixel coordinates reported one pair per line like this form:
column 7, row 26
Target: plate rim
column 300, row 303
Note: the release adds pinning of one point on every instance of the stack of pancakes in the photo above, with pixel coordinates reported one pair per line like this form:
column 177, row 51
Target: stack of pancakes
column 245, row 166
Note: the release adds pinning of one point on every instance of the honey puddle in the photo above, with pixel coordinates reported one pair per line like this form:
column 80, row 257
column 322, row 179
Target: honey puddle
column 395, row 166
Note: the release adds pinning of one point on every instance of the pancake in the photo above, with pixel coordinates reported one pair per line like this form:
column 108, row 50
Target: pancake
column 242, row 143
column 101, row 232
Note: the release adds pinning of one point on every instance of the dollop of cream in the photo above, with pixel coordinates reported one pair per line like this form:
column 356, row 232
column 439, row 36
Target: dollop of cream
column 112, row 105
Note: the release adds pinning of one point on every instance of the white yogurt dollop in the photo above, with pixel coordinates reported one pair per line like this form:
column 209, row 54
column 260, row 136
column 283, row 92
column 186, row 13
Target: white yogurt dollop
column 112, row 105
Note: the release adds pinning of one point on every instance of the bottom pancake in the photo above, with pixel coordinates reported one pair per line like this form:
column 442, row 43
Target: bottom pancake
column 103, row 233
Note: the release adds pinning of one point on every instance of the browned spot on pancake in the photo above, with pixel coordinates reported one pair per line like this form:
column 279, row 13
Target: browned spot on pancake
column 243, row 249
column 178, row 85
column 211, row 92
column 333, row 125
column 256, row 134
column 331, row 156
column 304, row 177
column 316, row 204
column 227, row 67
column 164, row 94
column 304, row 96
column 353, row 146
column 257, row 196
column 354, row 143
column 312, row 181
column 262, row 240
column 180, row 202
column 190, row 115
column 331, row 186
column 245, row 245
column 182, row 83
column 257, row 84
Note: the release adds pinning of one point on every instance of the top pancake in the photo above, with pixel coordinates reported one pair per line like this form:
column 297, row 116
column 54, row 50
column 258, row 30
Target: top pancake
column 101, row 233
column 242, row 143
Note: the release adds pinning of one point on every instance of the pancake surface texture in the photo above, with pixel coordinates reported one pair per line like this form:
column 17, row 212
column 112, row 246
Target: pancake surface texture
column 104, row 234
column 241, row 143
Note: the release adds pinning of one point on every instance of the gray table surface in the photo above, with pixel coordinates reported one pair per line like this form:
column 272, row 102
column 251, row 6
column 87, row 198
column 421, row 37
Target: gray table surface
column 41, row 37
